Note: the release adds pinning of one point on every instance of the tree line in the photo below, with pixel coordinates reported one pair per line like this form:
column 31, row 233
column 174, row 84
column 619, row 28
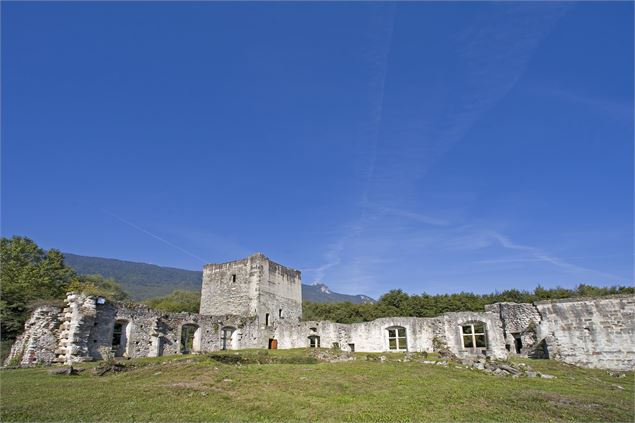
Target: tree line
column 397, row 303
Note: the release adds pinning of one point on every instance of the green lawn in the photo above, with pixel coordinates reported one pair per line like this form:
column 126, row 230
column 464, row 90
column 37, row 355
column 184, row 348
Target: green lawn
column 196, row 388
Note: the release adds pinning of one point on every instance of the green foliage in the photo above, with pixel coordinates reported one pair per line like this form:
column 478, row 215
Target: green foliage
column 28, row 273
column 398, row 303
column 177, row 301
column 5, row 349
column 99, row 286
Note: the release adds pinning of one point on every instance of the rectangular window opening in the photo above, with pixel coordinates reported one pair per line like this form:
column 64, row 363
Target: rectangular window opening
column 397, row 339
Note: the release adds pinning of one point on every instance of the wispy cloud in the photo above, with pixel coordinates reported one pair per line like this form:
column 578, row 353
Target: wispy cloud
column 380, row 35
column 419, row 217
column 533, row 254
column 155, row 236
column 556, row 261
column 493, row 53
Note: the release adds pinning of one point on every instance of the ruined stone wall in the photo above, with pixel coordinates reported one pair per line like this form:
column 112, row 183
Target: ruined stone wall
column 520, row 322
column 373, row 336
column 39, row 342
column 516, row 317
column 596, row 332
column 79, row 319
column 453, row 323
column 153, row 333
column 421, row 333
column 296, row 334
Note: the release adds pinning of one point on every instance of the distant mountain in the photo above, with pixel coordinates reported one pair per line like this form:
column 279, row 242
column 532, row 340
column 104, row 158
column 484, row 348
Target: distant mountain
column 142, row 280
column 320, row 293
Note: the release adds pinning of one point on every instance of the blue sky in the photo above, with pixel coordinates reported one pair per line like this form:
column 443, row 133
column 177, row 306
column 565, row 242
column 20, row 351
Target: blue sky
column 433, row 147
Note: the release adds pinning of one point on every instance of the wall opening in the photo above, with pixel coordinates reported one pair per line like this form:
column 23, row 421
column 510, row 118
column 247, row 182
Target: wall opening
column 518, row 343
column 273, row 344
column 157, row 346
column 234, row 277
column 474, row 336
column 120, row 335
column 227, row 338
column 267, row 319
column 540, row 350
column 190, row 338
column 280, row 313
column 314, row 341
column 397, row 340
column 352, row 347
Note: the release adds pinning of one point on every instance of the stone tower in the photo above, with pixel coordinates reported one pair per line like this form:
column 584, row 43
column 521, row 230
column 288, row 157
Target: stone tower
column 254, row 286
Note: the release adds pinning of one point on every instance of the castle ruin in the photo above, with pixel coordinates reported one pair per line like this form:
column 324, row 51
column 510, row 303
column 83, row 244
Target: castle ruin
column 256, row 303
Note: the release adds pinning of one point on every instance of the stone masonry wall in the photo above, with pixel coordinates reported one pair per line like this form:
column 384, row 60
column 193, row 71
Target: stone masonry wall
column 231, row 288
column 519, row 322
column 279, row 293
column 40, row 339
column 596, row 332
column 373, row 336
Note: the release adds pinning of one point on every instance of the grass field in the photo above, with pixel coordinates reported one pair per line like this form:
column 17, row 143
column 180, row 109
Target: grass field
column 197, row 388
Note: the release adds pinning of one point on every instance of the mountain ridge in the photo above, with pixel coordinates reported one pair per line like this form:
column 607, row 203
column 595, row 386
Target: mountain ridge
column 143, row 280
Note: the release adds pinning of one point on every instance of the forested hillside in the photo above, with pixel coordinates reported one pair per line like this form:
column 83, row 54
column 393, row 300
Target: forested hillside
column 140, row 280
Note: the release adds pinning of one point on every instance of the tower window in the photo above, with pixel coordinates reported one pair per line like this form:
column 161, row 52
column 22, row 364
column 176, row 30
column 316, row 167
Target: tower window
column 234, row 278
column 280, row 313
column 267, row 319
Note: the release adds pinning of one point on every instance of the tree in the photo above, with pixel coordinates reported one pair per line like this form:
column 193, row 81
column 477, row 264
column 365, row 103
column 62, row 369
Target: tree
column 28, row 273
column 177, row 301
column 99, row 286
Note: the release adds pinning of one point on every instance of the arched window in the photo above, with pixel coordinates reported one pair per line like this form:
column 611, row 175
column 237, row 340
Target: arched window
column 226, row 335
column 397, row 340
column 474, row 335
column 314, row 341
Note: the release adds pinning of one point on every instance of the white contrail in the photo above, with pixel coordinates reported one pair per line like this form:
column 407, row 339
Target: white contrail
column 165, row 241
